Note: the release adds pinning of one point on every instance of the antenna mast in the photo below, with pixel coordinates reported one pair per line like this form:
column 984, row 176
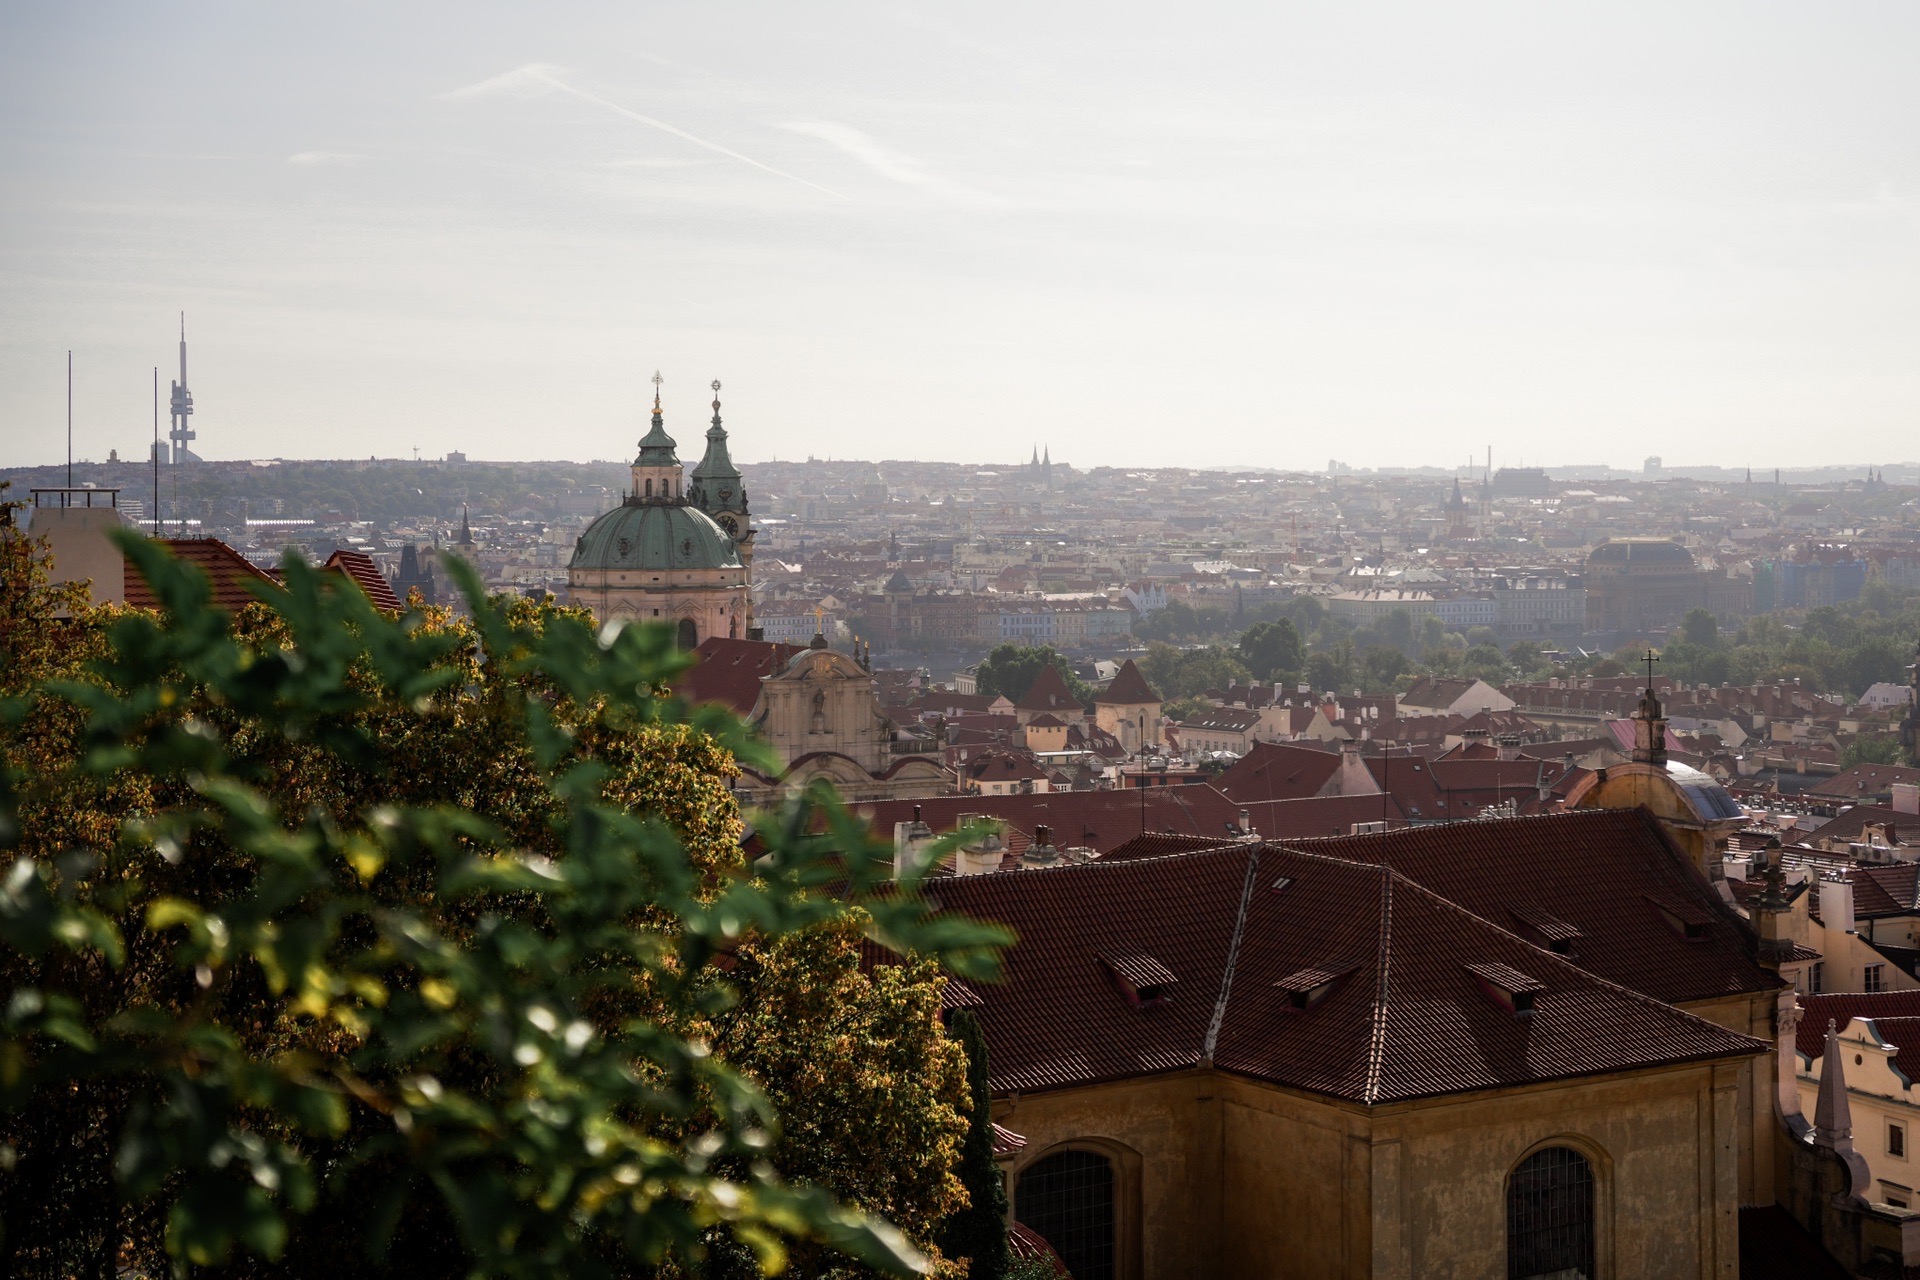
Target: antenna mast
column 153, row 454
column 69, row 497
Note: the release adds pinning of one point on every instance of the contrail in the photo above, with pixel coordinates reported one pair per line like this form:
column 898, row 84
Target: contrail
column 537, row 71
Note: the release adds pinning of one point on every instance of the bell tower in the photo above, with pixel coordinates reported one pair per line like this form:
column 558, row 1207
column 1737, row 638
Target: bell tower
column 719, row 490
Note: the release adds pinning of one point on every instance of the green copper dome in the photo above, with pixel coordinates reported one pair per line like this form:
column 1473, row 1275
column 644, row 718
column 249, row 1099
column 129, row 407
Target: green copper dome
column 654, row 535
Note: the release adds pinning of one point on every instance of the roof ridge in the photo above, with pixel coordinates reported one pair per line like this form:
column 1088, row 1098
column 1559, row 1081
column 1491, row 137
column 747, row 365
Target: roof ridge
column 1233, row 955
column 1383, row 959
column 1557, row 961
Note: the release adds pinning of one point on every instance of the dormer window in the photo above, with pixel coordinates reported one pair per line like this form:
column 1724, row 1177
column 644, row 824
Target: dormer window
column 1507, row 987
column 1306, row 988
column 1544, row 930
column 1687, row 920
column 1140, row 977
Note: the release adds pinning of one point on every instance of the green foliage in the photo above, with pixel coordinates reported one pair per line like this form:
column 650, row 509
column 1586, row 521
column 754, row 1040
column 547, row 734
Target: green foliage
column 1273, row 650
column 1186, row 673
column 1033, row 1269
column 341, row 944
column 1184, row 709
column 1011, row 669
column 1700, row 628
column 979, row 1231
column 1871, row 748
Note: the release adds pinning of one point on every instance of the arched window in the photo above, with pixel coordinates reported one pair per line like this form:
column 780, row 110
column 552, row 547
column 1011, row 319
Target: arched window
column 1550, row 1217
column 1068, row 1198
column 689, row 634
column 649, row 488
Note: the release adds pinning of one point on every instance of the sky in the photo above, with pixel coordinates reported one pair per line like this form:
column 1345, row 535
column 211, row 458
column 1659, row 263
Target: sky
column 1262, row 234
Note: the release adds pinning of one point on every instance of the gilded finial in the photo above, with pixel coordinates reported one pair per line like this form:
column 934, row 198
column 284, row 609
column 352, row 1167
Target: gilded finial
column 657, row 380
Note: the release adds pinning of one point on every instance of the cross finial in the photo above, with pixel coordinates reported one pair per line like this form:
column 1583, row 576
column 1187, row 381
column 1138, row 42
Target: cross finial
column 657, row 380
column 1650, row 659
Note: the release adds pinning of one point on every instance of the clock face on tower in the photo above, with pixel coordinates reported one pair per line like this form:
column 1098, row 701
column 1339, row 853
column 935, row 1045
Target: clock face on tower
column 726, row 521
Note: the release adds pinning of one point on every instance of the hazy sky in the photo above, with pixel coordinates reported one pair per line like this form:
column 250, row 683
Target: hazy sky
column 1182, row 233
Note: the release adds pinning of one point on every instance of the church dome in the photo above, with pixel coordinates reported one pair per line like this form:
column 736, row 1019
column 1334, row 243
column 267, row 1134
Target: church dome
column 1638, row 553
column 654, row 535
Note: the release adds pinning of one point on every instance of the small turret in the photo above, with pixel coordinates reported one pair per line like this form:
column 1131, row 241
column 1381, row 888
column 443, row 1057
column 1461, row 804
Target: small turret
column 657, row 475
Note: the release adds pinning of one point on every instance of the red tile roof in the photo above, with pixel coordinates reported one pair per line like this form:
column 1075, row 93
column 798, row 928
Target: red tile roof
column 1277, row 771
column 1865, row 780
column 1128, row 688
column 1319, row 815
column 1162, row 844
column 358, row 568
column 1591, row 870
column 1848, row 825
column 1404, row 1018
column 1895, row 1014
column 1098, row 820
column 231, row 574
column 1049, row 692
column 730, row 671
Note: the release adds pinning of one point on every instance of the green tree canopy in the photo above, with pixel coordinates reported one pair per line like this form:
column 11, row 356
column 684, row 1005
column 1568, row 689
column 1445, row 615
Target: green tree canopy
column 1187, row 673
column 1011, row 669
column 341, row 944
column 1273, row 650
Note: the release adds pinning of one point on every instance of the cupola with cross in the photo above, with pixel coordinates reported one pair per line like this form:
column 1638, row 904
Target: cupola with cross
column 657, row 475
column 718, row 489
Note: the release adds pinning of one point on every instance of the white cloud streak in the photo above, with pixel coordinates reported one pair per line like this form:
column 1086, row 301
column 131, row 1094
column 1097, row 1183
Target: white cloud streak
column 538, row 77
column 889, row 164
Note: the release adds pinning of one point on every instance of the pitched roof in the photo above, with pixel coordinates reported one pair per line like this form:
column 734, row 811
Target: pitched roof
column 358, row 568
column 1849, row 825
column 231, row 574
column 1896, row 1014
column 1049, row 692
column 1865, row 780
column 1595, row 870
column 1161, row 844
column 1098, row 820
column 730, row 671
column 1276, row 771
column 1319, row 815
column 1128, row 688
column 1405, row 1017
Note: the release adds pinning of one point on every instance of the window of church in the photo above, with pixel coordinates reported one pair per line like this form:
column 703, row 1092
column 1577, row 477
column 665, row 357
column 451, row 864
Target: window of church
column 1550, row 1217
column 1897, row 1140
column 1068, row 1198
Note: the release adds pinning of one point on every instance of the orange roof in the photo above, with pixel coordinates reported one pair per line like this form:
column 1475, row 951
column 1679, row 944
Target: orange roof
column 358, row 568
column 231, row 573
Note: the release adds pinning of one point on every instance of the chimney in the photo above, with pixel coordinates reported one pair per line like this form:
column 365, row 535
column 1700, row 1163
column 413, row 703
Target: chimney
column 1041, row 852
column 908, row 839
column 1836, row 903
column 982, row 855
column 1906, row 797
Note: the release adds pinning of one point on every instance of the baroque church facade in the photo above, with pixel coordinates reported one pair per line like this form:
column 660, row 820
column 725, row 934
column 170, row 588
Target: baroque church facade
column 677, row 550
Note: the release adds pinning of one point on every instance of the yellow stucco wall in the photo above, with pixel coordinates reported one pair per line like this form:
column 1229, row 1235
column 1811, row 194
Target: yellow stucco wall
column 1237, row 1179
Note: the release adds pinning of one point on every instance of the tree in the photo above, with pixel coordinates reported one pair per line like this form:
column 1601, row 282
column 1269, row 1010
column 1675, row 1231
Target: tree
column 1187, row 673
column 1010, row 670
column 1397, row 631
column 1485, row 662
column 1273, row 650
column 340, row 943
column 1870, row 748
column 1383, row 664
column 1184, row 709
column 1700, row 628
column 978, row 1232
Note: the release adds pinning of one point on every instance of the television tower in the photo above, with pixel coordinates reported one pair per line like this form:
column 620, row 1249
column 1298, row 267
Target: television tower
column 181, row 407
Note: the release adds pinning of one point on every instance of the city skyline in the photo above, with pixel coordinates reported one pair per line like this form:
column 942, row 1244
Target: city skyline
column 1386, row 235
